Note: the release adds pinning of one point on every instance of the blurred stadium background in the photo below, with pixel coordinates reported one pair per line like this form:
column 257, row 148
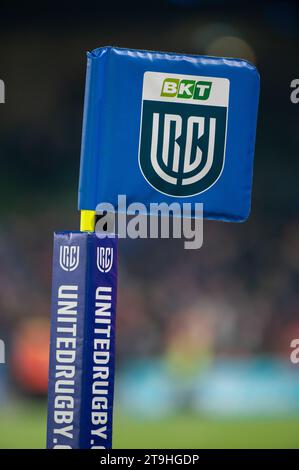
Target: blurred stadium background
column 203, row 337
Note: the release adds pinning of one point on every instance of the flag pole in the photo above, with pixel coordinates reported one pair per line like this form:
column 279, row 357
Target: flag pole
column 82, row 345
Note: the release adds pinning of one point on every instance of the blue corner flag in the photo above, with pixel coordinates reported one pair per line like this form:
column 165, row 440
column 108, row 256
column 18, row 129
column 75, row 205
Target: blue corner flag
column 163, row 127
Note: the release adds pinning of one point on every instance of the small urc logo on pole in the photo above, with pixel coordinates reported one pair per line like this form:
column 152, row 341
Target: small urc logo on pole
column 2, row 92
column 69, row 257
column 104, row 259
column 2, row 352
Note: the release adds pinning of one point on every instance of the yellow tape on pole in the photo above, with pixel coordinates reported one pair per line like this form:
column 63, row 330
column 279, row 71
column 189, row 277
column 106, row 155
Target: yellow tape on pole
column 87, row 221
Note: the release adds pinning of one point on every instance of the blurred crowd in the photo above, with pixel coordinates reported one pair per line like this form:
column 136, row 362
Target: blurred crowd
column 235, row 297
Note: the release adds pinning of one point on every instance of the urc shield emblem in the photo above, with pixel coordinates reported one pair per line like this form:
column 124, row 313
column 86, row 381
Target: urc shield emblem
column 183, row 132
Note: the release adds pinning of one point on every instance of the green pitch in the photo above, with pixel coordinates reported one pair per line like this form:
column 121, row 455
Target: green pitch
column 25, row 427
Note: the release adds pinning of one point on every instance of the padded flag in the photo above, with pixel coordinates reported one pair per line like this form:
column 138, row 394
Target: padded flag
column 161, row 127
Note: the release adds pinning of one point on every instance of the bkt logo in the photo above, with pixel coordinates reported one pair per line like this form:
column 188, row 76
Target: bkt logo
column 183, row 132
column 104, row 259
column 69, row 257
column 186, row 89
